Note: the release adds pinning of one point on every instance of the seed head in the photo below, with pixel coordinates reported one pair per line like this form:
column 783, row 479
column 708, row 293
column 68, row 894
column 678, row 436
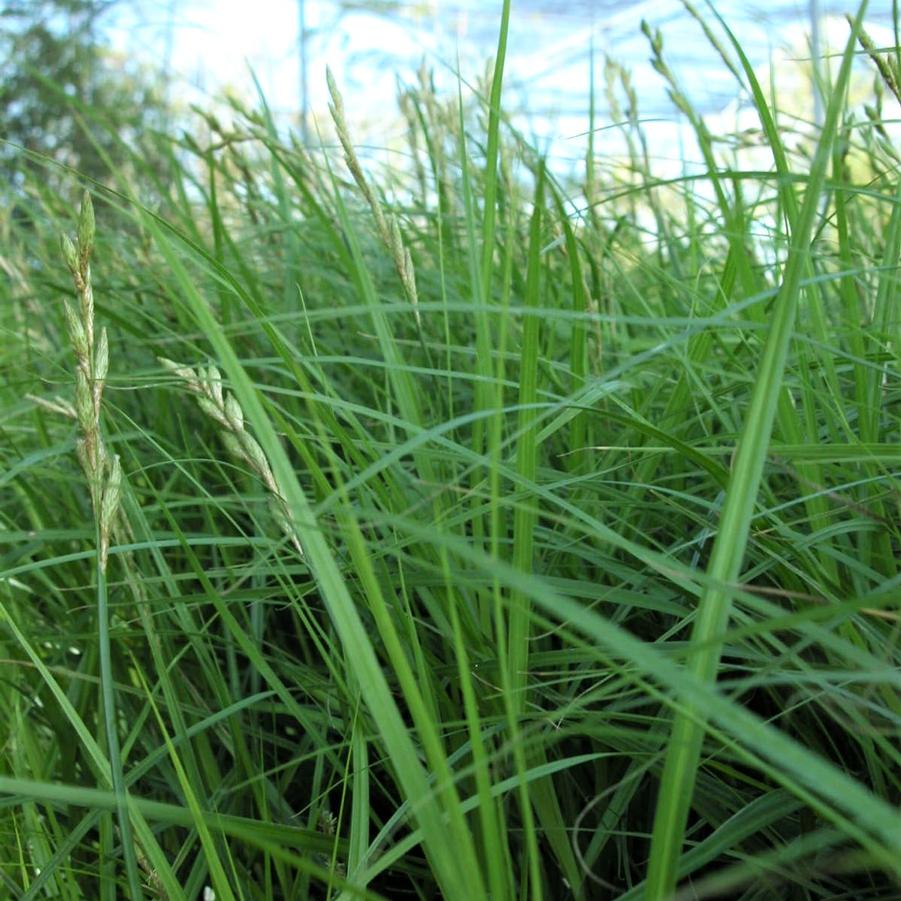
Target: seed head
column 214, row 380
column 234, row 413
column 77, row 334
column 101, row 358
column 70, row 255
column 85, row 229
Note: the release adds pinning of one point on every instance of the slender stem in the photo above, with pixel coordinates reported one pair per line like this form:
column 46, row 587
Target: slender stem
column 107, row 691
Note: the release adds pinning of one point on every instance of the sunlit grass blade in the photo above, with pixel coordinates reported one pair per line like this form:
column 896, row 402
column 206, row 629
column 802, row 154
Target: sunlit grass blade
column 712, row 616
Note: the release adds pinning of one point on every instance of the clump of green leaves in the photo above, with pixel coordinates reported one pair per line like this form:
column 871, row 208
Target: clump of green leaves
column 537, row 621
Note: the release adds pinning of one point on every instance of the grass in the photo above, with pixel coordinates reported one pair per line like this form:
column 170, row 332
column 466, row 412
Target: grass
column 495, row 534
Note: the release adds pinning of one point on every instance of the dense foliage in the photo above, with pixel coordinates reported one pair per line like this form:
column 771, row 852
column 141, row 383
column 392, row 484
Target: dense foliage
column 471, row 532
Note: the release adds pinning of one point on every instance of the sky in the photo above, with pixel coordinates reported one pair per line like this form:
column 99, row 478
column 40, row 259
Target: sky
column 212, row 44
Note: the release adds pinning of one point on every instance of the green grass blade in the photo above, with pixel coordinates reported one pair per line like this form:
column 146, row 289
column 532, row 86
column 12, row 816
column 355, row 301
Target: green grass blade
column 712, row 616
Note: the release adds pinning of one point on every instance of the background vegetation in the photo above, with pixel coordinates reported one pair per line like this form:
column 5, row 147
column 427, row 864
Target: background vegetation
column 453, row 530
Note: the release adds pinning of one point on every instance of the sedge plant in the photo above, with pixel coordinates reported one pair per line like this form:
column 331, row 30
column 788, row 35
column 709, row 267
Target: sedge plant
column 529, row 529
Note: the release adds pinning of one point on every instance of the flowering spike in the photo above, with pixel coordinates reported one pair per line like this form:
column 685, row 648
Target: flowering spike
column 86, row 228
column 77, row 335
column 101, row 357
column 234, row 413
column 70, row 254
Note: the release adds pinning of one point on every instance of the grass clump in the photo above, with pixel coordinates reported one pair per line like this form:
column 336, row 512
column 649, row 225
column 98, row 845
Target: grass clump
column 553, row 551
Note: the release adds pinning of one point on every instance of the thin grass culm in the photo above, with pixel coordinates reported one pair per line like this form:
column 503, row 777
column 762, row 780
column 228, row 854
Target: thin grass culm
column 103, row 472
column 386, row 224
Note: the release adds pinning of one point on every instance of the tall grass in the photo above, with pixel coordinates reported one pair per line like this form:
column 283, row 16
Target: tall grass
column 494, row 534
